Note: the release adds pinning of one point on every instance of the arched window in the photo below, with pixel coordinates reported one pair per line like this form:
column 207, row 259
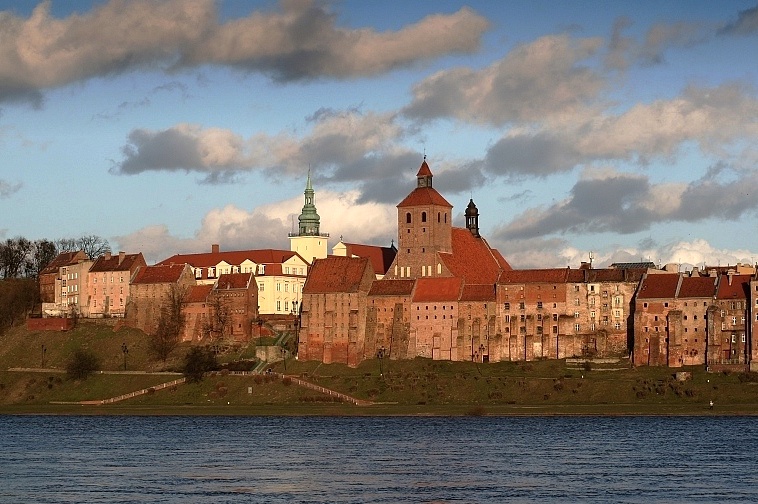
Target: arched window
column 408, row 218
column 423, row 216
column 438, row 216
column 445, row 217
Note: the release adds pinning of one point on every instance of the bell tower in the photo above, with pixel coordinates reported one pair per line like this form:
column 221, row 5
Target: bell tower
column 424, row 226
column 308, row 241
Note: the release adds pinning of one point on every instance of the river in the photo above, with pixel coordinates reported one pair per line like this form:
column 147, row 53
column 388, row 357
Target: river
column 185, row 459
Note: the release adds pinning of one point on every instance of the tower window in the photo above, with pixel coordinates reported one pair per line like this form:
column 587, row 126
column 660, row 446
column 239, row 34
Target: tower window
column 408, row 218
column 438, row 216
column 423, row 216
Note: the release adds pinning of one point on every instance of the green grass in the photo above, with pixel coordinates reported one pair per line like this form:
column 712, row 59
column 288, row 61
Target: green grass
column 412, row 387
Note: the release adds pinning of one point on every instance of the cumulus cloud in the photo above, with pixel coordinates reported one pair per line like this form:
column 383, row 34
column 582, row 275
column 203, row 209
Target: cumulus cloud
column 610, row 201
column 267, row 226
column 539, row 81
column 8, row 189
column 299, row 41
column 715, row 119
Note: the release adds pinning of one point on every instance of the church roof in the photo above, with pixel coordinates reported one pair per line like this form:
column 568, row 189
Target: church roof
column 472, row 259
column 424, row 170
column 424, row 196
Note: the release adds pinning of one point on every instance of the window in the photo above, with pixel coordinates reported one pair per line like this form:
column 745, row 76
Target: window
column 576, row 327
column 576, row 314
column 260, row 287
column 423, row 216
column 408, row 218
column 506, row 306
column 539, row 305
column 555, row 317
column 278, row 306
column 521, row 305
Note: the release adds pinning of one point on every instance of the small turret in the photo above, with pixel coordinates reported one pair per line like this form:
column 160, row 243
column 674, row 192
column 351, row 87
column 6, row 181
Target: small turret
column 472, row 218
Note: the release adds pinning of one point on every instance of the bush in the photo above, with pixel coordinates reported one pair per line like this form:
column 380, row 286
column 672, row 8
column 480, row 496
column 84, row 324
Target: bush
column 197, row 362
column 82, row 364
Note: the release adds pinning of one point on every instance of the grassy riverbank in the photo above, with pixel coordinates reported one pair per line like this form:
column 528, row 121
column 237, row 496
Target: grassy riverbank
column 416, row 387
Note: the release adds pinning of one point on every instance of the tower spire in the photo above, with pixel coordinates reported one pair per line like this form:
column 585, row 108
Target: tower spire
column 309, row 220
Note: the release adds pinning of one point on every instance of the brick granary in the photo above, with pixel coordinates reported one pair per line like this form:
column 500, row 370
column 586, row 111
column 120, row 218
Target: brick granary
column 448, row 295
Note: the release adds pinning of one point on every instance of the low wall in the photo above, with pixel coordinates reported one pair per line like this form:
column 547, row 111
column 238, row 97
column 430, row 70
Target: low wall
column 49, row 324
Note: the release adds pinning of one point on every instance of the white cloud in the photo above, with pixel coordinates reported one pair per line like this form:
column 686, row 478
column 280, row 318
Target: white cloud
column 301, row 41
column 267, row 226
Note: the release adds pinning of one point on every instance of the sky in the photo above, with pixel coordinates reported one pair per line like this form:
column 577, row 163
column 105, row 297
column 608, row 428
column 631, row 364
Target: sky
column 627, row 130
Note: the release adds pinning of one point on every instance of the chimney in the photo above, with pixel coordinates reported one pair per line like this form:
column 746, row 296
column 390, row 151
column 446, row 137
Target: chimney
column 215, row 248
column 121, row 256
column 729, row 275
column 108, row 256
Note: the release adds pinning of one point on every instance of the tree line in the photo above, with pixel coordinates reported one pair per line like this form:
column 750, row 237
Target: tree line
column 24, row 258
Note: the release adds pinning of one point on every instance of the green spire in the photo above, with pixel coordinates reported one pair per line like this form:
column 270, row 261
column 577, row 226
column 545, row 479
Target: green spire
column 309, row 219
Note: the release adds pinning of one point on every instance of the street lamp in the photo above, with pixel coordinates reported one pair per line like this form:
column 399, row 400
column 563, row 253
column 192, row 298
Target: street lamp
column 284, row 357
column 380, row 354
column 260, row 332
column 125, row 351
column 44, row 349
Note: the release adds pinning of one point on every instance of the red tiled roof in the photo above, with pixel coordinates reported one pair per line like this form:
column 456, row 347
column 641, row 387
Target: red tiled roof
column 336, row 274
column 381, row 257
column 160, row 273
column 424, row 170
column 205, row 260
column 233, row 281
column 111, row 263
column 551, row 276
column 659, row 286
column 437, row 289
column 697, row 287
column 738, row 289
column 63, row 259
column 424, row 196
column 472, row 258
column 478, row 292
column 391, row 288
column 501, row 260
column 198, row 293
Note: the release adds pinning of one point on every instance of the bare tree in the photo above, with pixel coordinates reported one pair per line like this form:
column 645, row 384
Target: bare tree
column 66, row 245
column 13, row 256
column 219, row 324
column 92, row 245
column 43, row 252
column 170, row 323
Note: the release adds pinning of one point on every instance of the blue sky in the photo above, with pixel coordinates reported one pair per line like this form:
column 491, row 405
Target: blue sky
column 624, row 128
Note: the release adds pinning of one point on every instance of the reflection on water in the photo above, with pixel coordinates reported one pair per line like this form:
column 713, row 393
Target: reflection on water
column 238, row 459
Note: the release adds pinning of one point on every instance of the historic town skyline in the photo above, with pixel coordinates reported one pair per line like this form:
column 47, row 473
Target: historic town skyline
column 619, row 128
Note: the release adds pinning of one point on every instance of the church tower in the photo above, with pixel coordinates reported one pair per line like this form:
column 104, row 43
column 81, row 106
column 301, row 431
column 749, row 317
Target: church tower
column 424, row 225
column 472, row 218
column 308, row 241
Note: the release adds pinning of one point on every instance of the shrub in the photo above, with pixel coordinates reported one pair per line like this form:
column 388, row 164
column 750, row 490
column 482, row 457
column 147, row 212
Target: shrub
column 82, row 364
column 197, row 362
column 286, row 381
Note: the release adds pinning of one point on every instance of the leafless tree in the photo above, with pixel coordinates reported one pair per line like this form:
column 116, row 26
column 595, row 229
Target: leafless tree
column 43, row 252
column 13, row 256
column 170, row 323
column 92, row 245
column 219, row 324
